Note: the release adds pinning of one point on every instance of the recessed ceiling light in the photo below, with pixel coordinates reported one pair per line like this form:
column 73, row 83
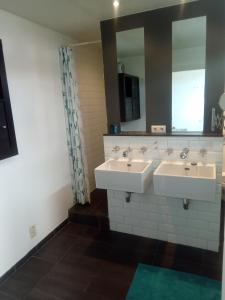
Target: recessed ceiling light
column 116, row 3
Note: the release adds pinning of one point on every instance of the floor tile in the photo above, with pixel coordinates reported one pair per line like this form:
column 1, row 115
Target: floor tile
column 64, row 281
column 76, row 253
column 77, row 295
column 189, row 267
column 131, row 256
column 178, row 261
column 22, row 281
column 7, row 297
column 55, row 248
column 189, row 253
column 84, row 231
column 80, row 263
column 212, row 272
column 98, row 250
column 211, row 258
column 110, row 289
column 121, row 240
column 164, row 261
column 107, row 268
column 36, row 294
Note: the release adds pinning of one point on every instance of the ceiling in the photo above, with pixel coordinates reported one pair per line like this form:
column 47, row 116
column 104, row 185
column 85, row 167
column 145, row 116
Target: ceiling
column 78, row 18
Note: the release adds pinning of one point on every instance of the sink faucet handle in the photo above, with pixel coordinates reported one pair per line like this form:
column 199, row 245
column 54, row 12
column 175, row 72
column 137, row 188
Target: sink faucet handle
column 169, row 151
column 186, row 150
column 143, row 149
column 116, row 149
column 203, row 152
column 129, row 149
column 184, row 153
column 125, row 152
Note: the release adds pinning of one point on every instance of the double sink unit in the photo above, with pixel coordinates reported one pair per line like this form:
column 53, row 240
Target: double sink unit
column 124, row 175
column 165, row 188
column 176, row 179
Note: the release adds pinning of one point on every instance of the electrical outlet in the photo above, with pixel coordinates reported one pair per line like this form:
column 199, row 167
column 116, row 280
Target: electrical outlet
column 158, row 129
column 32, row 231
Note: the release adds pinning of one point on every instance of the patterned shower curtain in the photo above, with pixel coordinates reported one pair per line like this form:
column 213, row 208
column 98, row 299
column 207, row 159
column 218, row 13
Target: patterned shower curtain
column 73, row 125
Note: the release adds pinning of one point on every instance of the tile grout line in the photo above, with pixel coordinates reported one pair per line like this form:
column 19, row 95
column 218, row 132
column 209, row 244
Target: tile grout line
column 55, row 297
column 36, row 257
column 30, row 254
column 53, row 267
column 8, row 295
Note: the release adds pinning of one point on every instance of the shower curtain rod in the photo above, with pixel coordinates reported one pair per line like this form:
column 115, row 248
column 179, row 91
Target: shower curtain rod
column 85, row 43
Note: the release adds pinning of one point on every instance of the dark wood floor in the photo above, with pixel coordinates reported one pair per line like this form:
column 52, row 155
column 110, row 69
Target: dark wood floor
column 81, row 263
column 95, row 214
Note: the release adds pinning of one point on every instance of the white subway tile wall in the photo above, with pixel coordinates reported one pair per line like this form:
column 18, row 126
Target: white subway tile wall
column 164, row 218
column 91, row 92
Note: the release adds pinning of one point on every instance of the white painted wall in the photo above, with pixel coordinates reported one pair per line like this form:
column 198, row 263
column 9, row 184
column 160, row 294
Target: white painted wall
column 91, row 92
column 34, row 185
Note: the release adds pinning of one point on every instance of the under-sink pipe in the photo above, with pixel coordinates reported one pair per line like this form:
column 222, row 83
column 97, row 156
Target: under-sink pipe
column 128, row 196
column 186, row 203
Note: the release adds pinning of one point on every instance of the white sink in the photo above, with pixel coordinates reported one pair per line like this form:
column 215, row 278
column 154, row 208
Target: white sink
column 124, row 175
column 183, row 180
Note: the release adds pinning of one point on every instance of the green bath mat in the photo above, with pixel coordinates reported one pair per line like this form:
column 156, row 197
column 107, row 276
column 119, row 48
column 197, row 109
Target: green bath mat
column 153, row 283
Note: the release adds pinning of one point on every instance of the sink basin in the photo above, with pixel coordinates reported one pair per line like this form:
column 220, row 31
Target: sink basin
column 123, row 175
column 182, row 180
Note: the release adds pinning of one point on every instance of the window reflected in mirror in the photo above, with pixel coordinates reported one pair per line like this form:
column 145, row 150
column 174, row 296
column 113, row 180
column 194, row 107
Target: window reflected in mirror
column 188, row 74
column 131, row 77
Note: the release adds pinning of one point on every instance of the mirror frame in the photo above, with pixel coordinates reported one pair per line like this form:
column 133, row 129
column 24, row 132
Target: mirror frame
column 158, row 48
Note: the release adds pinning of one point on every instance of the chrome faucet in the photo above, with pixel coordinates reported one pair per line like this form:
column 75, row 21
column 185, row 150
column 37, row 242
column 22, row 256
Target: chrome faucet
column 125, row 153
column 203, row 152
column 169, row 151
column 143, row 149
column 116, row 149
column 184, row 153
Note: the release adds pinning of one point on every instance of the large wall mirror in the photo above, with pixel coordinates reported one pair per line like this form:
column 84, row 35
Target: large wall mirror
column 166, row 67
column 131, row 78
column 188, row 74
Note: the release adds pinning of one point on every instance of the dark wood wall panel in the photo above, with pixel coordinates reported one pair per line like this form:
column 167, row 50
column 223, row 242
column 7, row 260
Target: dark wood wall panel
column 215, row 59
column 108, row 33
column 158, row 74
column 111, row 74
column 158, row 58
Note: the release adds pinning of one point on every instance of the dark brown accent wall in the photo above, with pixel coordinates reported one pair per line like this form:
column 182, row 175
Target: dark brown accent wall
column 158, row 58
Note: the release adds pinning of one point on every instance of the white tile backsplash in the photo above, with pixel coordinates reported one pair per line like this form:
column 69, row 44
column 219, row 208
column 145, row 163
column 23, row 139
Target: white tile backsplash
column 160, row 217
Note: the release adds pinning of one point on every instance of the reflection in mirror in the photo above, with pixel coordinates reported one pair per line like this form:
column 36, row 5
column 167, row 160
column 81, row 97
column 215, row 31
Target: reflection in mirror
column 131, row 76
column 222, row 102
column 188, row 77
